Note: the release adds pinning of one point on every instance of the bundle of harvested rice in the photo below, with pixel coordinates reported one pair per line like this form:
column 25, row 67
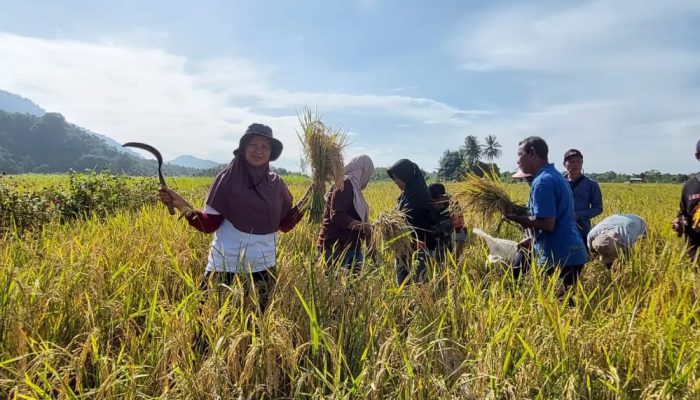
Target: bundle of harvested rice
column 487, row 197
column 391, row 232
column 323, row 149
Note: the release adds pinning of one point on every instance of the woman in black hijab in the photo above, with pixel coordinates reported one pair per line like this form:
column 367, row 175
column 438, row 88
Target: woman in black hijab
column 415, row 201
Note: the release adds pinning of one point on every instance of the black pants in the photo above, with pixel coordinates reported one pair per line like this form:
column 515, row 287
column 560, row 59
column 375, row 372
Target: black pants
column 411, row 268
column 693, row 252
column 442, row 251
column 521, row 264
column 262, row 281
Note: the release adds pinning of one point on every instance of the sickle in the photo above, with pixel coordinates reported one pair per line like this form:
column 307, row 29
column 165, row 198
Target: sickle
column 159, row 158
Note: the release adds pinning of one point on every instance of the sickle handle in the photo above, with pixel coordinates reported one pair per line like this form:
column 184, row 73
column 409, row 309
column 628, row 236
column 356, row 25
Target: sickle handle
column 171, row 209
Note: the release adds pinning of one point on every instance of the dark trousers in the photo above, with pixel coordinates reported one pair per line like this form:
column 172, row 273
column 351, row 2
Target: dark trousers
column 442, row 251
column 351, row 259
column 411, row 268
column 568, row 275
column 693, row 252
column 262, row 281
column 584, row 235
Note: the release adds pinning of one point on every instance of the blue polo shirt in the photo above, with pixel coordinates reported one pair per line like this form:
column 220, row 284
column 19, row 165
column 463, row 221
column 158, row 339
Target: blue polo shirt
column 550, row 196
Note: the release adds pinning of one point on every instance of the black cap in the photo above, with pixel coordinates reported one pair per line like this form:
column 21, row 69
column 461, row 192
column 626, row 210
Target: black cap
column 572, row 153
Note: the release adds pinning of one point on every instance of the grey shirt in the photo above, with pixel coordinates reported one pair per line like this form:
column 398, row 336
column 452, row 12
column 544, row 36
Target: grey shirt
column 630, row 227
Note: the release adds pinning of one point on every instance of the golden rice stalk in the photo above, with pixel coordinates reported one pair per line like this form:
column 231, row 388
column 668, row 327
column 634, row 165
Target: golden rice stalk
column 391, row 232
column 323, row 150
column 696, row 217
column 487, row 197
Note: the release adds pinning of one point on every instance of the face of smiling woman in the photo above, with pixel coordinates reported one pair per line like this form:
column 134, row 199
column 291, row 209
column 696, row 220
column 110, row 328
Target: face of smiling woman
column 258, row 150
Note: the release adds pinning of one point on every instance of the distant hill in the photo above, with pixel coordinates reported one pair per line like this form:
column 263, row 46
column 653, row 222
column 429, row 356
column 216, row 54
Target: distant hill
column 49, row 144
column 114, row 144
column 13, row 103
column 193, row 162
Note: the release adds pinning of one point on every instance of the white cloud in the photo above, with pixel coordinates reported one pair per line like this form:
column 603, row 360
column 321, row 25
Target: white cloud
column 147, row 94
column 618, row 78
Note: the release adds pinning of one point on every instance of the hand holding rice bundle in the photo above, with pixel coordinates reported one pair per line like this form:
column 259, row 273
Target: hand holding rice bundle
column 323, row 149
column 486, row 196
column 391, row 232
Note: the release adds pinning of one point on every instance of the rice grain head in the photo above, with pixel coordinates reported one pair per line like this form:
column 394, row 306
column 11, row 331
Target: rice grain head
column 487, row 197
column 391, row 232
column 323, row 150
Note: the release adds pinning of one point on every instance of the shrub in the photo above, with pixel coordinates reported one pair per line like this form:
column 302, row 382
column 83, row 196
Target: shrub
column 88, row 193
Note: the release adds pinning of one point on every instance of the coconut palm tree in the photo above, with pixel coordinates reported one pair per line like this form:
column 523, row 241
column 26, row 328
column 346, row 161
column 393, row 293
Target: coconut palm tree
column 471, row 150
column 492, row 149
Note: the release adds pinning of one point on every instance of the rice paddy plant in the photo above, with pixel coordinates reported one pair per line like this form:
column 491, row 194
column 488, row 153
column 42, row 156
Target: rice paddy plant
column 486, row 197
column 392, row 234
column 323, row 149
column 112, row 308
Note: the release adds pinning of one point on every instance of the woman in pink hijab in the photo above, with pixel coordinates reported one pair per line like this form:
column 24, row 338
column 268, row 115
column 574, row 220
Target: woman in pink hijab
column 246, row 207
column 346, row 217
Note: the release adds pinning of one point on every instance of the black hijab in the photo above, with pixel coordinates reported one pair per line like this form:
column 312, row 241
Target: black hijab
column 415, row 198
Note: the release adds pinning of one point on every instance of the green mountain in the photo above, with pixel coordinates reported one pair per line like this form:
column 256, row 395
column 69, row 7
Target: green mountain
column 32, row 140
column 49, row 144
column 193, row 162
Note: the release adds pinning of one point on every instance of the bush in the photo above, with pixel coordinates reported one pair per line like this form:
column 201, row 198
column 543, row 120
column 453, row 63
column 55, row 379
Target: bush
column 98, row 193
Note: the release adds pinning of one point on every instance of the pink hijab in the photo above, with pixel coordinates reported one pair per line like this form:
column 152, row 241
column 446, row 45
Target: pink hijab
column 359, row 171
column 253, row 199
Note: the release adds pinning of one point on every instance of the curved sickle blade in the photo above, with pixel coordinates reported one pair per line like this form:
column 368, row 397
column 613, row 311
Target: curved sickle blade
column 152, row 150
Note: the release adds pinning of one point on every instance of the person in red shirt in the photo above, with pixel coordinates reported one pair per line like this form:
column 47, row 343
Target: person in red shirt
column 246, row 207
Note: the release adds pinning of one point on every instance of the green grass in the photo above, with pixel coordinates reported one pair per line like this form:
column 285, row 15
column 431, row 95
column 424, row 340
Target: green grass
column 109, row 309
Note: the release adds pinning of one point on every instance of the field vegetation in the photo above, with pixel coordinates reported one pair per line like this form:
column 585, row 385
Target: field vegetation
column 106, row 304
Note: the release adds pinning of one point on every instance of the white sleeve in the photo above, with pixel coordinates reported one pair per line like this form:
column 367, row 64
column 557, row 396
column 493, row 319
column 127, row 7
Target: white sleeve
column 210, row 210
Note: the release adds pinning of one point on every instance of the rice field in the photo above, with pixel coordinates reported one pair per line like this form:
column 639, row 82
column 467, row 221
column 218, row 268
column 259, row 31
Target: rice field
column 109, row 308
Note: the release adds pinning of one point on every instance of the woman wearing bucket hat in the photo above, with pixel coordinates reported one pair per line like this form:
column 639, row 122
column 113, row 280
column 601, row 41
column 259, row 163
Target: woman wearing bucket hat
column 245, row 208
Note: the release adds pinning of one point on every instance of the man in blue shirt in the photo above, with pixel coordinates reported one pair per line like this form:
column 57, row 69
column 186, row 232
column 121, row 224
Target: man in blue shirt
column 556, row 242
column 588, row 201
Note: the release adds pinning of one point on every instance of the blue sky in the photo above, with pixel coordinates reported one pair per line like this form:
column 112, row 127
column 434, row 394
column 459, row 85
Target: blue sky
column 618, row 79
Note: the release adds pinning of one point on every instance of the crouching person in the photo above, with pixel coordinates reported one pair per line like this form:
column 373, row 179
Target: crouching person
column 615, row 234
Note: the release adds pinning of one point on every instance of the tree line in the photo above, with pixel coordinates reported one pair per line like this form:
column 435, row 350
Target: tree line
column 454, row 164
